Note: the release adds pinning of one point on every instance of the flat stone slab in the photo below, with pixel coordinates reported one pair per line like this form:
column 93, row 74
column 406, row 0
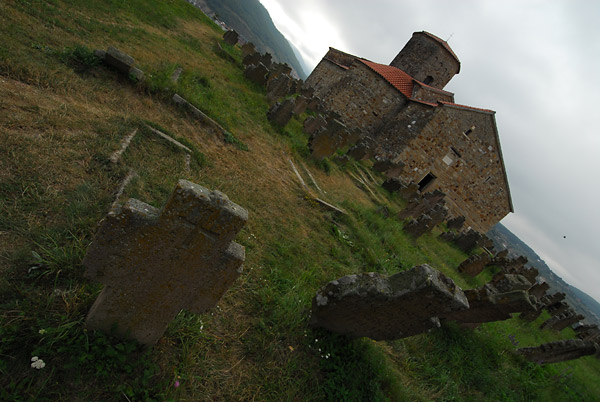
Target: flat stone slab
column 560, row 351
column 155, row 263
column 385, row 308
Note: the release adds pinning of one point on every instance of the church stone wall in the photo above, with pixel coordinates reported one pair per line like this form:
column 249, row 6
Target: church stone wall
column 466, row 167
column 324, row 76
column 363, row 99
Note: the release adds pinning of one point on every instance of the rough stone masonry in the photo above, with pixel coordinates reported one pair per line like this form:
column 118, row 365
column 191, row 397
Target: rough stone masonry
column 384, row 308
column 154, row 262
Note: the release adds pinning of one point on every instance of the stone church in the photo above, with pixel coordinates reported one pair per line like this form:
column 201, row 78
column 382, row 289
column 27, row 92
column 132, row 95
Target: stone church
column 404, row 115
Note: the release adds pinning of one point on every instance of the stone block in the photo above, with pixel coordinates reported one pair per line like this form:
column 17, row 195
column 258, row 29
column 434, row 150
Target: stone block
column 486, row 306
column 418, row 227
column 257, row 73
column 278, row 87
column 388, row 167
column 313, row 124
column 473, row 265
column 281, row 112
column 301, row 104
column 154, row 262
column 118, row 60
column 385, row 308
column 393, row 184
column 364, row 149
column 456, row 223
column 539, row 290
column 468, row 241
column 502, row 283
column 326, row 142
column 560, row 351
column 247, row 49
column 231, row 37
column 252, row 59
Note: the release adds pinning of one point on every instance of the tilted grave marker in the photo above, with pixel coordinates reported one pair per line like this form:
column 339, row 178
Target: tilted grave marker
column 560, row 351
column 154, row 262
column 384, row 308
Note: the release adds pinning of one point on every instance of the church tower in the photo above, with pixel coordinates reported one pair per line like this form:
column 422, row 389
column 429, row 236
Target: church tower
column 428, row 59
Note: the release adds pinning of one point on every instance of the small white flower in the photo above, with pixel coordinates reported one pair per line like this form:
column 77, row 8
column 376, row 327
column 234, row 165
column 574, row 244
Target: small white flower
column 37, row 363
column 42, row 331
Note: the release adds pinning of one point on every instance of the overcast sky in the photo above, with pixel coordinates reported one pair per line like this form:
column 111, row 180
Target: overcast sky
column 536, row 63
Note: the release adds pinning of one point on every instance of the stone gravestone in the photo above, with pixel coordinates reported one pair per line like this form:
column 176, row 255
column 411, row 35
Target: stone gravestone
column 278, row 87
column 468, row 241
column 588, row 333
column 257, row 73
column 231, row 37
column 539, row 290
column 248, row 48
column 313, row 124
column 560, row 351
column 251, row 59
column 487, row 306
column 301, row 104
column 154, row 262
column 473, row 265
column 326, row 142
column 456, row 223
column 438, row 213
column 388, row 167
column 266, row 59
column 417, row 228
column 384, row 308
column 281, row 112
column 122, row 62
column 502, row 283
column 364, row 149
column 393, row 184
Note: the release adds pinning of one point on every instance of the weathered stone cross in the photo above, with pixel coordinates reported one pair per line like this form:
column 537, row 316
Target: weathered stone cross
column 155, row 263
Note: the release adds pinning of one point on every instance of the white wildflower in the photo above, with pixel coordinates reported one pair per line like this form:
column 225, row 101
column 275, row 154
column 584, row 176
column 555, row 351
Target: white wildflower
column 37, row 363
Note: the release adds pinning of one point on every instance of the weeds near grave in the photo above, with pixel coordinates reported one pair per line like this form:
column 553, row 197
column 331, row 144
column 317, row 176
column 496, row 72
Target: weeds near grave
column 80, row 57
column 231, row 139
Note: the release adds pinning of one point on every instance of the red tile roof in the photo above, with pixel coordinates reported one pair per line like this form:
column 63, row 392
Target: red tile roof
column 398, row 78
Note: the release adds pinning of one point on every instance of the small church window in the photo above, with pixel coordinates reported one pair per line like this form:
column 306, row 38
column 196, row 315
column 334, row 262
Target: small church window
column 428, row 80
column 469, row 131
column 456, row 152
column 426, row 181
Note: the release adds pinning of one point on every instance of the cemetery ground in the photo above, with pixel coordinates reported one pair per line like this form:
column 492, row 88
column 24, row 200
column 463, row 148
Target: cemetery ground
column 62, row 115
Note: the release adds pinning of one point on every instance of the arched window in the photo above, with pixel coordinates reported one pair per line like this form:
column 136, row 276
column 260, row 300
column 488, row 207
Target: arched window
column 428, row 80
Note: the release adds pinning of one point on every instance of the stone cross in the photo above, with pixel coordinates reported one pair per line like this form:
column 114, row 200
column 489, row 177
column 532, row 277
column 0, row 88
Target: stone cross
column 385, row 308
column 487, row 306
column 326, row 142
column 281, row 112
column 155, row 263
column 231, row 37
column 257, row 73
column 418, row 227
column 473, row 265
column 560, row 351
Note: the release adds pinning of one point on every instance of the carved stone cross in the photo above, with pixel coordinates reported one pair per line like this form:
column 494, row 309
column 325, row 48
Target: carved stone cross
column 155, row 263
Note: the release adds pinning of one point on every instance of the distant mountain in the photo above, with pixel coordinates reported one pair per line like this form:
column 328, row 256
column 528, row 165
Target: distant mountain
column 251, row 20
column 579, row 300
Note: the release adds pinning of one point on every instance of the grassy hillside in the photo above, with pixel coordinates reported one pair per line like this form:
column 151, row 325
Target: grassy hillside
column 62, row 115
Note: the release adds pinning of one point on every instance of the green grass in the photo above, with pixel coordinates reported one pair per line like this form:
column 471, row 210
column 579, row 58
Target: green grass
column 62, row 115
